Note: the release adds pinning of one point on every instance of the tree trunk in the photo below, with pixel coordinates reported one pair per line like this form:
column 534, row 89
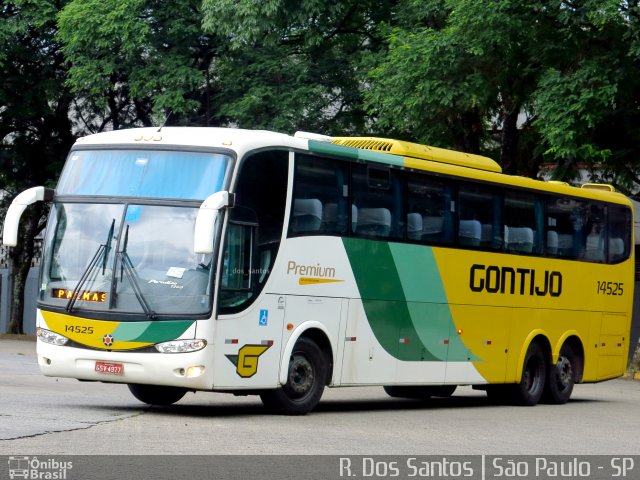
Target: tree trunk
column 509, row 144
column 21, row 257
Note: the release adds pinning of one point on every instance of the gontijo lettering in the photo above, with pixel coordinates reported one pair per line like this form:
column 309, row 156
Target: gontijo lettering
column 514, row 281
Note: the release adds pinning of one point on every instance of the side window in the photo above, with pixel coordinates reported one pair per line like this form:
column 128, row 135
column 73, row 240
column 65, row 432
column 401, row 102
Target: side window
column 619, row 226
column 237, row 279
column 320, row 197
column 429, row 210
column 595, row 234
column 479, row 222
column 377, row 202
column 565, row 222
column 254, row 228
column 523, row 223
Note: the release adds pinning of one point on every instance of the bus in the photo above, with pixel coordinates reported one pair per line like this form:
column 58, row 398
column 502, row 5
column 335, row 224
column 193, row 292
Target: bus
column 257, row 263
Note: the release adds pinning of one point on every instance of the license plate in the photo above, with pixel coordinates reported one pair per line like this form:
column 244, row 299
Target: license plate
column 110, row 368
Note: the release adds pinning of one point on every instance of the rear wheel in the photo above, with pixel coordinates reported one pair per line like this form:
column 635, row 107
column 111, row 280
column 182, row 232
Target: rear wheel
column 420, row 392
column 156, row 394
column 306, row 379
column 561, row 377
column 529, row 391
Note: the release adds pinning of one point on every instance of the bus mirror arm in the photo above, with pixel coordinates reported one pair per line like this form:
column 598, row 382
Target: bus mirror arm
column 206, row 219
column 17, row 208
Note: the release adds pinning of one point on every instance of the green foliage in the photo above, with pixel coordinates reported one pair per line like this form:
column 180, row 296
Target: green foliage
column 295, row 64
column 133, row 59
column 545, row 79
column 35, row 130
column 450, row 82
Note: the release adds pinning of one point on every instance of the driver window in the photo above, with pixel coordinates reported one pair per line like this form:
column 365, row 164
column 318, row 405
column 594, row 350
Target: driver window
column 254, row 230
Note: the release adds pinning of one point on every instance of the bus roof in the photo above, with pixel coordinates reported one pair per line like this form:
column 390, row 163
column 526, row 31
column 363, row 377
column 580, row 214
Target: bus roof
column 380, row 150
column 236, row 139
column 423, row 152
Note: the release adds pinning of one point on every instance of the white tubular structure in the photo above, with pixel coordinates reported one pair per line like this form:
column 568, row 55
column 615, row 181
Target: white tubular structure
column 206, row 219
column 17, row 207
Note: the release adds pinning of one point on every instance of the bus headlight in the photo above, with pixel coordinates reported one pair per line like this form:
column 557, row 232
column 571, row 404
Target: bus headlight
column 181, row 346
column 47, row 336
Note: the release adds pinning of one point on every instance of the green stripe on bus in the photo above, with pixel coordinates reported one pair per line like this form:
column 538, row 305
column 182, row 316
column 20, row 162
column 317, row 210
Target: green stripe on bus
column 151, row 332
column 328, row 148
column 427, row 302
column 380, row 157
column 384, row 301
column 408, row 312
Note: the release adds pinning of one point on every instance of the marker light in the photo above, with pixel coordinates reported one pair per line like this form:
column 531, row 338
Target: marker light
column 47, row 336
column 195, row 371
column 181, row 346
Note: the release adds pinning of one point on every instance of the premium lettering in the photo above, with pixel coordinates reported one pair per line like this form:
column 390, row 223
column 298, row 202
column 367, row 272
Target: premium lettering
column 514, row 281
column 311, row 270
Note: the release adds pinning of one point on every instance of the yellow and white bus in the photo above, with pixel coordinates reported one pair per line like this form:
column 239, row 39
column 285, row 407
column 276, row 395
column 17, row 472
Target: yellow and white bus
column 252, row 262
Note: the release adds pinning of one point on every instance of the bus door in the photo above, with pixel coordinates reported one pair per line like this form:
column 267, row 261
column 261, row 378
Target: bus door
column 248, row 346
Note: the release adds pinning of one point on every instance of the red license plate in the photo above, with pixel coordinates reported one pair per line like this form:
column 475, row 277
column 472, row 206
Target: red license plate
column 110, row 368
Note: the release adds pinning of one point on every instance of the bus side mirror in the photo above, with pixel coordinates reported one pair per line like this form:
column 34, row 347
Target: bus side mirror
column 206, row 220
column 17, row 208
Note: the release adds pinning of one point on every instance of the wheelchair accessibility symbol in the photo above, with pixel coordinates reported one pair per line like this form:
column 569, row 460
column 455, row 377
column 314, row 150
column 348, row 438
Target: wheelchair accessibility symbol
column 264, row 318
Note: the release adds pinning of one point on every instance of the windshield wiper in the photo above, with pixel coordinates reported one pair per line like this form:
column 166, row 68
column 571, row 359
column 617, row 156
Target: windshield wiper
column 102, row 253
column 126, row 266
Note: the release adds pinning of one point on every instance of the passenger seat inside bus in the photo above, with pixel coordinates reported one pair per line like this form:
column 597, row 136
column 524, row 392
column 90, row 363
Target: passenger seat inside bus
column 414, row 226
column 594, row 247
column 519, row 239
column 470, row 232
column 552, row 242
column 432, row 229
column 307, row 215
column 374, row 222
column 616, row 249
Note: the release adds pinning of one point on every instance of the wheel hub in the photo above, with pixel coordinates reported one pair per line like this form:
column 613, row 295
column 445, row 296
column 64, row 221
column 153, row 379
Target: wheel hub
column 564, row 372
column 300, row 375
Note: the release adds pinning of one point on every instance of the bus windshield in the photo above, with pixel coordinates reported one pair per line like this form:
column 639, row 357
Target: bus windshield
column 143, row 173
column 120, row 236
column 123, row 259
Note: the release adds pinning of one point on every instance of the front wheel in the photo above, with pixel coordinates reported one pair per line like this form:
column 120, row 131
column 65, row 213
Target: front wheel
column 306, row 379
column 156, row 394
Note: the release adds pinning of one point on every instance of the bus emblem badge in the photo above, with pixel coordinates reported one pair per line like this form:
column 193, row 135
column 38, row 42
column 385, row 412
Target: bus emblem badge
column 108, row 340
column 246, row 361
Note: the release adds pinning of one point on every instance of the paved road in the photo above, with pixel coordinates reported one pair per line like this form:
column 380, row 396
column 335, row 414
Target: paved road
column 40, row 415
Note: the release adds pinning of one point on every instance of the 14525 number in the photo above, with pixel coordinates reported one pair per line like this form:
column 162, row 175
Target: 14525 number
column 610, row 288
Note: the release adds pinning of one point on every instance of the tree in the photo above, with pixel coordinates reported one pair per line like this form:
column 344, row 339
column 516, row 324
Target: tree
column 295, row 64
column 132, row 62
column 35, row 130
column 461, row 73
column 587, row 100
column 546, row 80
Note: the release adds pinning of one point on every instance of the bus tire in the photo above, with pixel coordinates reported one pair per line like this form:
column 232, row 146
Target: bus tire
column 306, row 379
column 420, row 392
column 561, row 377
column 157, row 394
column 531, row 387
